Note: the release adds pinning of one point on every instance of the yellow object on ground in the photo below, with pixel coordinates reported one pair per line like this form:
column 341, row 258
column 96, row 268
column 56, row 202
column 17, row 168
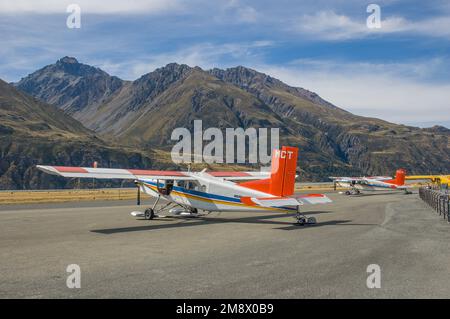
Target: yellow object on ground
column 435, row 179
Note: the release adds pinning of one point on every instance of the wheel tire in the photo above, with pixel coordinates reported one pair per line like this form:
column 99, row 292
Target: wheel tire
column 301, row 221
column 149, row 214
column 347, row 193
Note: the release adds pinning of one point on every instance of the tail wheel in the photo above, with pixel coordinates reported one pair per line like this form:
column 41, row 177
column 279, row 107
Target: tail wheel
column 149, row 214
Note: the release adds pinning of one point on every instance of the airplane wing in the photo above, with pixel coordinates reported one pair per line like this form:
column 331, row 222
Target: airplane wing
column 235, row 176
column 313, row 199
column 305, row 199
column 359, row 179
column 113, row 173
column 380, row 178
column 345, row 179
column 117, row 173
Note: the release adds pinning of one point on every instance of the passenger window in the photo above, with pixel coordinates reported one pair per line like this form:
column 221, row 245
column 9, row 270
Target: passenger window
column 181, row 184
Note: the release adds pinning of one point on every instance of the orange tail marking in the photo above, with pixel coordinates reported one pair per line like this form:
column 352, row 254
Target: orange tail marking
column 282, row 178
column 399, row 179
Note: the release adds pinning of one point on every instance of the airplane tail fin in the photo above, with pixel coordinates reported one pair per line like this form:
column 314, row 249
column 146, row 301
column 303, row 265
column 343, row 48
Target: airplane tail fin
column 282, row 176
column 284, row 164
column 399, row 179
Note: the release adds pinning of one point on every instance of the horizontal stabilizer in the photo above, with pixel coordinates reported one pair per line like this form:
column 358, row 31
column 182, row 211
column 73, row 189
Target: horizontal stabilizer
column 313, row 199
column 307, row 199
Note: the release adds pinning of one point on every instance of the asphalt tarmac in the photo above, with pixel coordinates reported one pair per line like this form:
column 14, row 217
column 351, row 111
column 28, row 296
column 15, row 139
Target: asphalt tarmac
column 226, row 255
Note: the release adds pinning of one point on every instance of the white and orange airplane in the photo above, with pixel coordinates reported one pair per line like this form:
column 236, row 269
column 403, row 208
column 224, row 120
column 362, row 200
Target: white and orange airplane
column 213, row 191
column 373, row 183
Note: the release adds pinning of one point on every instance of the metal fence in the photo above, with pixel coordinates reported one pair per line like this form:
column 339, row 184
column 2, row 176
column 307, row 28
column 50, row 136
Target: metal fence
column 436, row 199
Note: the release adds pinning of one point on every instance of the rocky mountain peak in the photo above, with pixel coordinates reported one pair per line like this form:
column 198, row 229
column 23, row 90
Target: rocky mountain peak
column 70, row 85
column 170, row 72
column 68, row 60
column 71, row 67
column 150, row 85
column 257, row 82
column 438, row 129
column 241, row 76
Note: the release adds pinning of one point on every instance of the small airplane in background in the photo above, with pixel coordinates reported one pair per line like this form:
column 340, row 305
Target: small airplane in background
column 373, row 183
column 189, row 192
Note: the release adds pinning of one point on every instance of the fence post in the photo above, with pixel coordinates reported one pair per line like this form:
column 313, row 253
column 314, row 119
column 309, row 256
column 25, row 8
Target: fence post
column 436, row 199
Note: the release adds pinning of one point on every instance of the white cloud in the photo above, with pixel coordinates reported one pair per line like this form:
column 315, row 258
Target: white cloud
column 88, row 6
column 386, row 91
column 242, row 12
column 328, row 25
column 204, row 55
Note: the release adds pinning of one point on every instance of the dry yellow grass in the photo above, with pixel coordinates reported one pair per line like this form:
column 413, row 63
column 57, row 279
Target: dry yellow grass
column 53, row 196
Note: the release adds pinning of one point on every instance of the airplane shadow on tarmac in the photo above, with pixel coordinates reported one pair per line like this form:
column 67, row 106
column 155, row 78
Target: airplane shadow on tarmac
column 199, row 221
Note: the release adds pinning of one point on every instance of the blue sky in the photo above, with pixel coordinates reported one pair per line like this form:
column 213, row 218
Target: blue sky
column 399, row 72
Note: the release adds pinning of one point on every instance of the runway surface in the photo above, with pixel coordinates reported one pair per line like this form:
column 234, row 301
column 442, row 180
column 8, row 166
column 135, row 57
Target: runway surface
column 226, row 255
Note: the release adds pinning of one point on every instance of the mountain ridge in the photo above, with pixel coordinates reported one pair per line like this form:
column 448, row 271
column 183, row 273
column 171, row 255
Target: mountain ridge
column 333, row 141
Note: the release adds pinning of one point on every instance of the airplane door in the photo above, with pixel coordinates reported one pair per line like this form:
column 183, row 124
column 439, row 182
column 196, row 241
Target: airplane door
column 167, row 187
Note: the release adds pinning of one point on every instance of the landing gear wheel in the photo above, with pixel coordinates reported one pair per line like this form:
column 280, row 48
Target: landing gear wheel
column 149, row 214
column 311, row 220
column 301, row 220
column 194, row 211
column 347, row 193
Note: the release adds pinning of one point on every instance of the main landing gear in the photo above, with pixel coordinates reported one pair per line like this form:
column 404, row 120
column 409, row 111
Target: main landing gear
column 149, row 213
column 176, row 210
column 354, row 191
column 302, row 220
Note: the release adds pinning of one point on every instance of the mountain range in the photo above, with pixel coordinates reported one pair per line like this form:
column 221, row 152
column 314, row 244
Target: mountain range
column 140, row 116
column 33, row 132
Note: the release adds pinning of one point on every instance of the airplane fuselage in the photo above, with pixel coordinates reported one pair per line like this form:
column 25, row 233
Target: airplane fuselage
column 210, row 195
column 370, row 186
